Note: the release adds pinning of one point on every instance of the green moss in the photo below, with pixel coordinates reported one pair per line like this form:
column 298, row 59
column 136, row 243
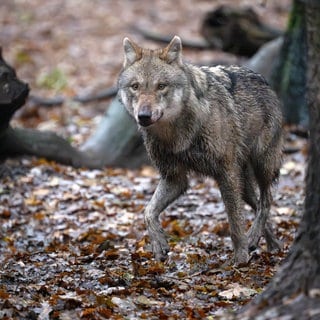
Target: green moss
column 54, row 80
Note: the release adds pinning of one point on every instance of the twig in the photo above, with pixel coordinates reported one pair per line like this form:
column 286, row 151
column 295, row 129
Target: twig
column 46, row 102
column 101, row 95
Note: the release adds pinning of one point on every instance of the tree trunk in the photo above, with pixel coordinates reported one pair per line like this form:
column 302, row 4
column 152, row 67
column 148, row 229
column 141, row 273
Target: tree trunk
column 266, row 58
column 295, row 290
column 289, row 74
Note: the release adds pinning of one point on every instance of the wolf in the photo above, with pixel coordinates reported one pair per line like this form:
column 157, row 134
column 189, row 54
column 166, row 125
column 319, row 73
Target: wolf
column 222, row 122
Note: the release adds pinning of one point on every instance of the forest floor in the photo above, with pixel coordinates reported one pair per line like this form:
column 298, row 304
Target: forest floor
column 72, row 241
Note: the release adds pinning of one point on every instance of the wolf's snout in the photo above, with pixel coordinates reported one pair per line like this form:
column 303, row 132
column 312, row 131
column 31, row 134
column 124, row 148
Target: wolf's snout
column 144, row 117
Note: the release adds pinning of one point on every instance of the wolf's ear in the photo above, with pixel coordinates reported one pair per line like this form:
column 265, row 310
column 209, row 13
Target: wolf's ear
column 132, row 52
column 173, row 52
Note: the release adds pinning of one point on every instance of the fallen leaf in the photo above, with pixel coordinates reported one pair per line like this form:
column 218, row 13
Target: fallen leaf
column 45, row 311
column 143, row 300
column 236, row 291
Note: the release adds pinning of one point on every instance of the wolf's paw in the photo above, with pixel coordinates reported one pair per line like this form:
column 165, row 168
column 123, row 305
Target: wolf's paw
column 253, row 240
column 160, row 249
column 273, row 244
column 241, row 257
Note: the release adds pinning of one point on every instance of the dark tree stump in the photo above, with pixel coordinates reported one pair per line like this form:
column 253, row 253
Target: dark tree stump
column 236, row 30
column 19, row 142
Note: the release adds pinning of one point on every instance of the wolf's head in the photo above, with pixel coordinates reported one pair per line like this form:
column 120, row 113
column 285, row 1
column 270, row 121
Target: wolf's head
column 152, row 81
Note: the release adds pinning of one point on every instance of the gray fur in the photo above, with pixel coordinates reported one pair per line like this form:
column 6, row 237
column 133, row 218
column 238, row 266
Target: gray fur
column 222, row 122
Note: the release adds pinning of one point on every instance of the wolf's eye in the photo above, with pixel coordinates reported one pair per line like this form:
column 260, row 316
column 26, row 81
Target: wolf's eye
column 161, row 86
column 135, row 86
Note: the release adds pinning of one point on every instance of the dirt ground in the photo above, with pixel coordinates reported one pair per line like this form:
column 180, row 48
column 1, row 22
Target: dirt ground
column 72, row 241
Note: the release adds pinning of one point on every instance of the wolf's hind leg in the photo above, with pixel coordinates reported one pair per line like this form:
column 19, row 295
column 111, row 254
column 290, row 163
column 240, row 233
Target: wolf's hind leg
column 262, row 226
column 230, row 188
column 273, row 244
column 250, row 197
column 259, row 224
column 266, row 169
column 167, row 191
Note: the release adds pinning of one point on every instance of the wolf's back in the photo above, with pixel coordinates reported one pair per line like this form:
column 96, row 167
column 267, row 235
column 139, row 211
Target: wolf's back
column 240, row 96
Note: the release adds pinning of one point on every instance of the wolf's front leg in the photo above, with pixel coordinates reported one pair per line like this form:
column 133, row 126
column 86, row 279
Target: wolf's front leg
column 167, row 191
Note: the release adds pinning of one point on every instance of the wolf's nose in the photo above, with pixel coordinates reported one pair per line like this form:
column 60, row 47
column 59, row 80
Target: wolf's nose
column 144, row 118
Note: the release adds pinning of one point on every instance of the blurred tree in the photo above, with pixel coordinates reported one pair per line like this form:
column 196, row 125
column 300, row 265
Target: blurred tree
column 289, row 75
column 116, row 141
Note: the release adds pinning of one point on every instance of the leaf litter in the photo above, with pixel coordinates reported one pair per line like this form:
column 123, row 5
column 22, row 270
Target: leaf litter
column 73, row 243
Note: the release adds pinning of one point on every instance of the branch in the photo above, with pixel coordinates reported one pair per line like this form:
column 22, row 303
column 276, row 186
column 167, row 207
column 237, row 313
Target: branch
column 19, row 142
column 57, row 101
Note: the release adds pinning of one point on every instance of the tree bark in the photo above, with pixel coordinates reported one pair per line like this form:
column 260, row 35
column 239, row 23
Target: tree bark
column 295, row 290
